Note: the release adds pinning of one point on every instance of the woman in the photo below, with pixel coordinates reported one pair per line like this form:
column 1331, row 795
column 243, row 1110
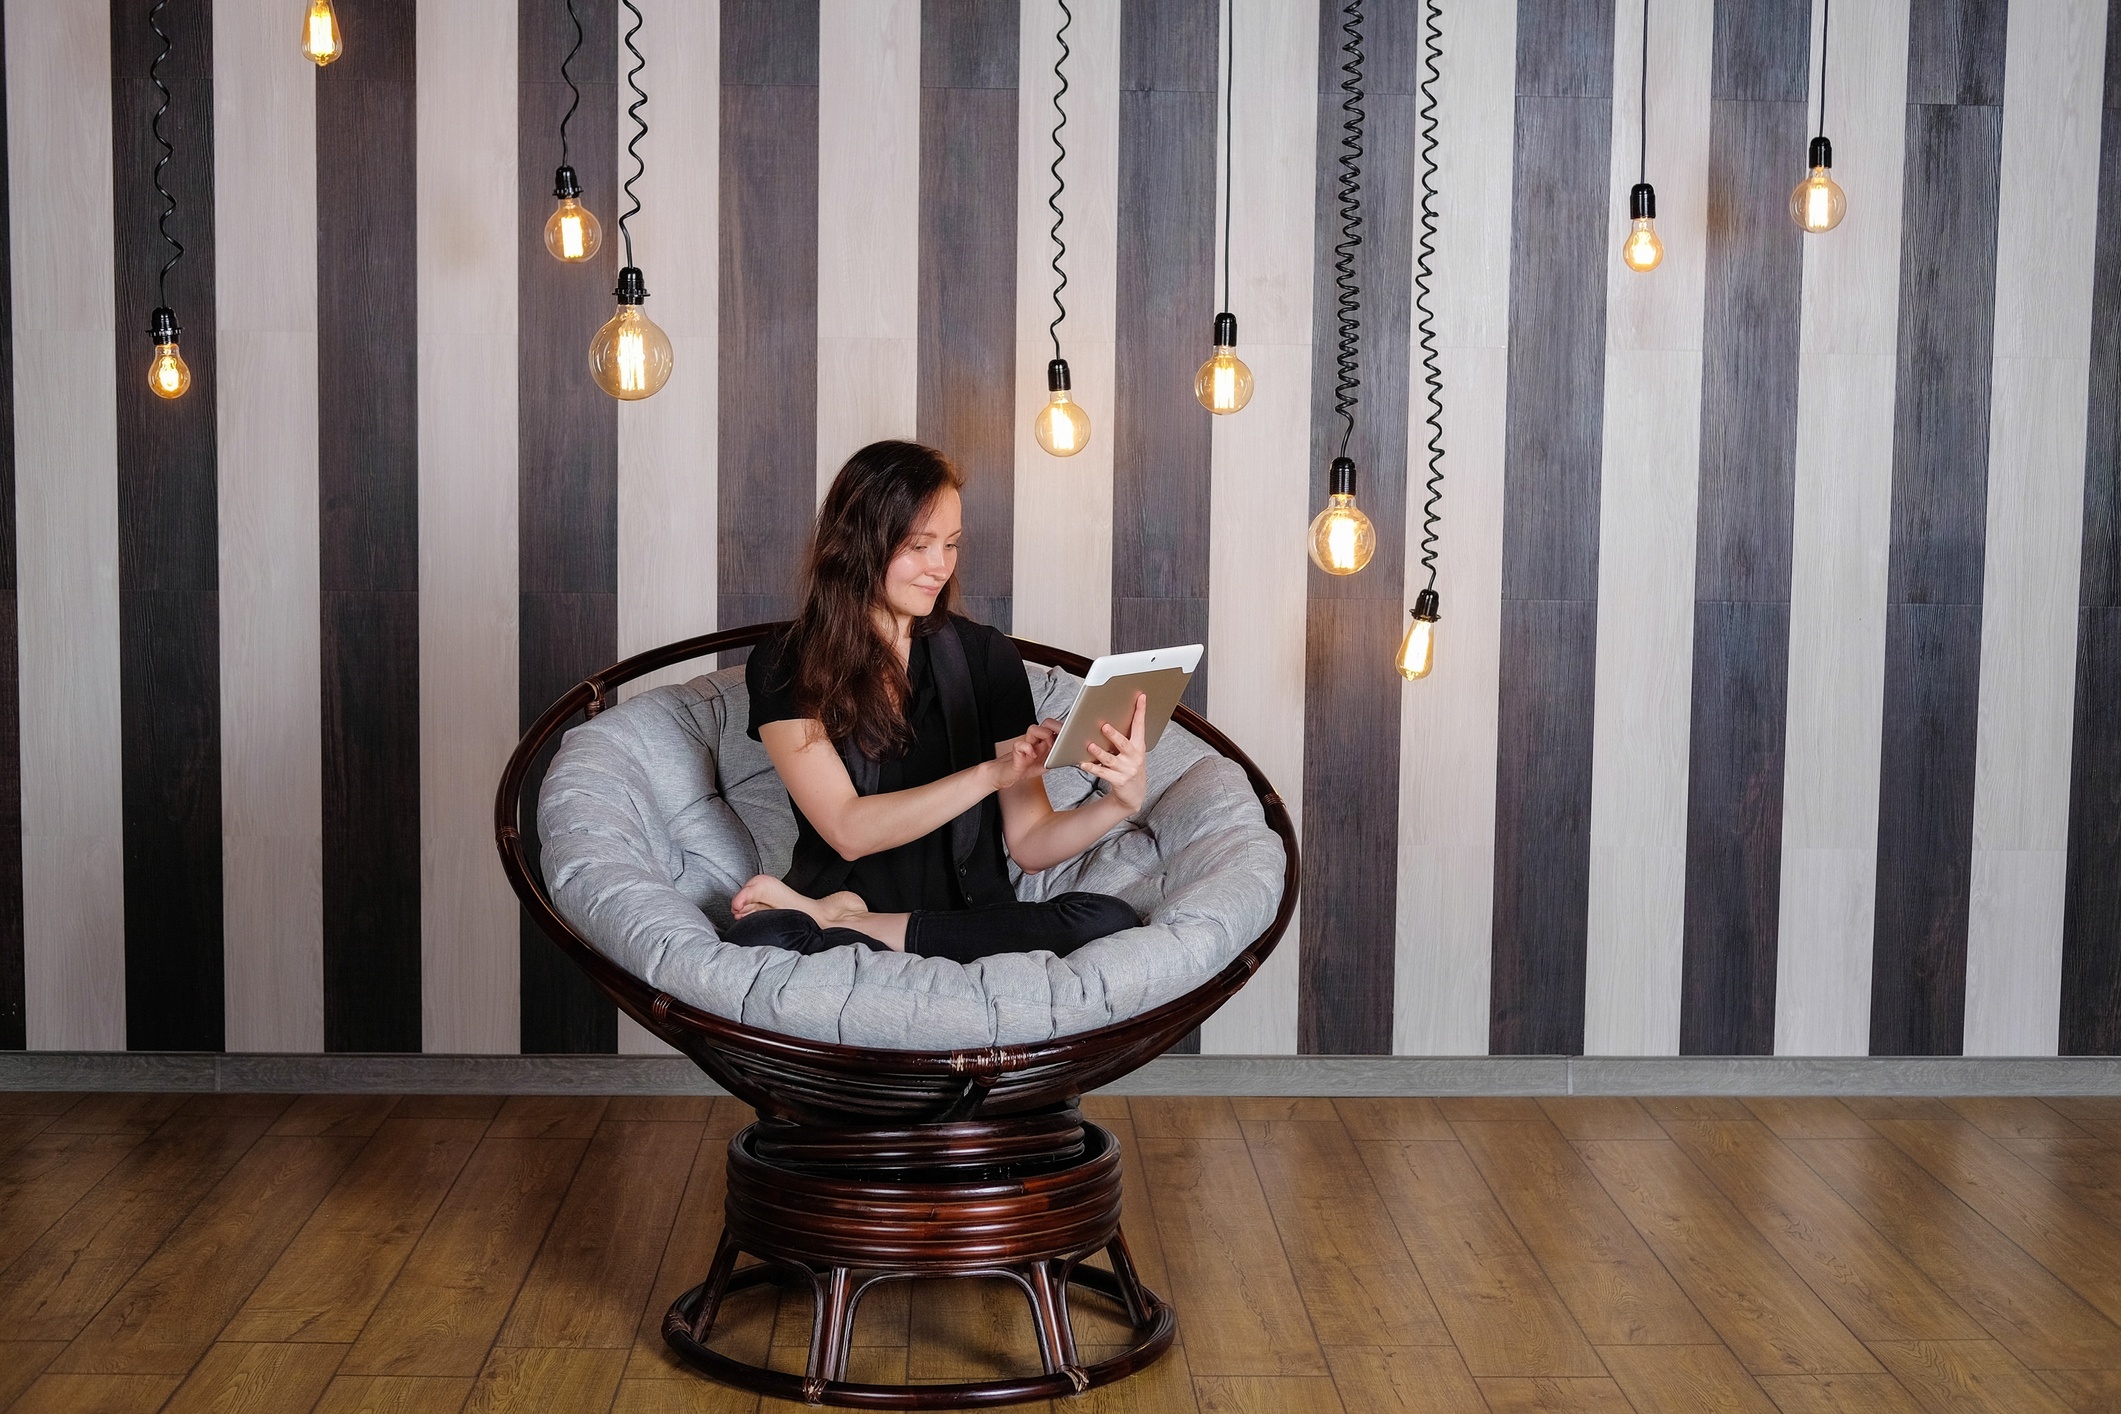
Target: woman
column 908, row 743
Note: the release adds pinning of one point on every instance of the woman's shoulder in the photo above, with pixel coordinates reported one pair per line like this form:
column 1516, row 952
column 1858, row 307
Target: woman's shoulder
column 984, row 642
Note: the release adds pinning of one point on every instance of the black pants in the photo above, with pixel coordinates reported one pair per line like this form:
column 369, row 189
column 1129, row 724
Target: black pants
column 1059, row 926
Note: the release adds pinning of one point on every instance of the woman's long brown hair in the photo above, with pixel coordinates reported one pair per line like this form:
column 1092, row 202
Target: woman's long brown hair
column 847, row 675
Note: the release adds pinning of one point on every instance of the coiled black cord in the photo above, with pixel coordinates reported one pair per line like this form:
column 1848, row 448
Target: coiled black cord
column 1424, row 253
column 1060, row 183
column 640, row 128
column 1345, row 380
column 574, row 100
column 169, row 202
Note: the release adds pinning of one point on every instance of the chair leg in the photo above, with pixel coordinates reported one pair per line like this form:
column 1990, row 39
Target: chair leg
column 717, row 1284
column 832, row 1329
column 1047, row 1283
column 1130, row 1282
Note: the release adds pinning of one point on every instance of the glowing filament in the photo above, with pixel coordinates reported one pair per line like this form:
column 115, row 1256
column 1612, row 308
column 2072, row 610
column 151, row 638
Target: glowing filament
column 571, row 237
column 633, row 361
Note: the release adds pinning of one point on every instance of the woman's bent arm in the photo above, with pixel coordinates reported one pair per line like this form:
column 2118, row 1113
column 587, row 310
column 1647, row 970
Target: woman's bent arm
column 856, row 825
column 1040, row 837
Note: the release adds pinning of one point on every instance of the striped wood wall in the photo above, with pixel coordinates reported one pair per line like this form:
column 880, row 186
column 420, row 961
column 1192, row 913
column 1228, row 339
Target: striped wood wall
column 1776, row 706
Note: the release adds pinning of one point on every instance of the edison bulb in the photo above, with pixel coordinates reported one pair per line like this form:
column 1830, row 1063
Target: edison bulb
column 1417, row 651
column 1061, row 427
column 1817, row 203
column 320, row 34
column 1342, row 538
column 169, row 375
column 572, row 234
column 1224, row 384
column 1643, row 251
column 630, row 357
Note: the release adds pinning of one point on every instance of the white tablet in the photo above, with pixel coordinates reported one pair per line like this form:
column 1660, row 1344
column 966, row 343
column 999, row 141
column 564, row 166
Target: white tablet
column 1108, row 696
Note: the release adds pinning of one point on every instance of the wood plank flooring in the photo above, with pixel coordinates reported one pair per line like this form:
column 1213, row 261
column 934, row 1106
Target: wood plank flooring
column 443, row 1254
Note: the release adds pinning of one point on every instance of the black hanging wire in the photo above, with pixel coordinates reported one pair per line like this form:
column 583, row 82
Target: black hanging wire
column 1642, row 122
column 574, row 99
column 1229, row 133
column 640, row 128
column 169, row 202
column 1345, row 381
column 1424, row 253
column 1826, row 16
column 1060, row 183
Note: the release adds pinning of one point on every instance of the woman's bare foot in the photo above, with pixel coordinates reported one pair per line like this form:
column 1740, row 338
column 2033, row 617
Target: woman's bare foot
column 764, row 892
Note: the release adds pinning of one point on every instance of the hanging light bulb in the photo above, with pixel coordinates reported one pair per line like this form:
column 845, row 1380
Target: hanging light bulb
column 320, row 34
column 1643, row 251
column 572, row 234
column 1417, row 651
column 169, row 375
column 1818, row 203
column 1224, row 384
column 1342, row 538
column 1062, row 427
column 630, row 357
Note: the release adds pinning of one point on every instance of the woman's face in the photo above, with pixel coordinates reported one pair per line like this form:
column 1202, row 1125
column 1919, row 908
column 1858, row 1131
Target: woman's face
column 924, row 564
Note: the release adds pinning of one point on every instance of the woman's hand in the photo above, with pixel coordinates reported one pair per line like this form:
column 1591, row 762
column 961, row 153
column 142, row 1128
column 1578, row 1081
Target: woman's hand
column 1023, row 758
column 1121, row 762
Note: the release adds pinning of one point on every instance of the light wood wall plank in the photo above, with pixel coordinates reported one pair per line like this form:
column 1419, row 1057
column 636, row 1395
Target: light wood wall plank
column 66, row 487
column 2050, row 185
column 1257, row 566
column 869, row 225
column 1446, row 889
column 468, row 600
column 265, row 217
column 667, row 445
column 1649, row 468
column 1840, row 532
column 1062, row 593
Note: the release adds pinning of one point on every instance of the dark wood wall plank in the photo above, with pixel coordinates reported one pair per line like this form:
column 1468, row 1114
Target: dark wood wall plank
column 768, row 435
column 567, row 442
column 965, row 398
column 1161, row 456
column 1939, row 526
column 1750, row 331
column 368, row 502
column 1553, row 440
column 2091, row 919
column 168, row 542
column 14, row 1023
column 1351, row 694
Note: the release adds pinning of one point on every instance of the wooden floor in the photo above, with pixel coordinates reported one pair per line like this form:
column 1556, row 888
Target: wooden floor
column 358, row 1253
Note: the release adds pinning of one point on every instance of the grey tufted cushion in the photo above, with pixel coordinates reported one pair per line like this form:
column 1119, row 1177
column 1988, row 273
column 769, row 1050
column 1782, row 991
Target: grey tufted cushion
column 654, row 814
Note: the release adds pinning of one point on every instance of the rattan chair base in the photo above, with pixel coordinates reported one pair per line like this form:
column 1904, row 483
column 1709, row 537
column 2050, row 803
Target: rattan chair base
column 845, row 1228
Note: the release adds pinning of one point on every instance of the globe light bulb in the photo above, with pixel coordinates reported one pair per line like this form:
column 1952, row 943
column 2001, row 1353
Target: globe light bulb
column 1417, row 651
column 169, row 375
column 1642, row 251
column 320, row 34
column 630, row 358
column 1342, row 538
column 1818, row 203
column 572, row 234
column 1061, row 427
column 1224, row 384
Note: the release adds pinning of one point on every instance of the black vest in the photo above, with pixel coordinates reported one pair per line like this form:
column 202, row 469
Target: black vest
column 953, row 683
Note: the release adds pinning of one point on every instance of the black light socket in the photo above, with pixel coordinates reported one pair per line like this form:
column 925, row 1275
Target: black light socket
column 1822, row 153
column 1057, row 375
column 632, row 288
column 1642, row 202
column 1428, row 606
column 1341, row 479
column 1226, row 330
column 565, row 185
column 162, row 324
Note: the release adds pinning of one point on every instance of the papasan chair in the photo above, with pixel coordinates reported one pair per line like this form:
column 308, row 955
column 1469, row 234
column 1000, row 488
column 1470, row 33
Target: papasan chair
column 917, row 1117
